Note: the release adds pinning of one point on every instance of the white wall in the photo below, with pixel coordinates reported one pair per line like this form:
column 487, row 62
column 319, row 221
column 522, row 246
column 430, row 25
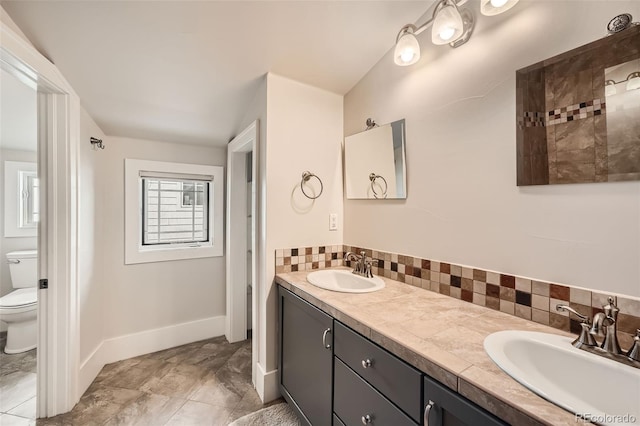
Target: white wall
column 463, row 204
column 304, row 132
column 91, row 234
column 147, row 296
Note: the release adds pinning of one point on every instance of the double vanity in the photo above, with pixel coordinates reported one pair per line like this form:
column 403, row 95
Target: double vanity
column 401, row 355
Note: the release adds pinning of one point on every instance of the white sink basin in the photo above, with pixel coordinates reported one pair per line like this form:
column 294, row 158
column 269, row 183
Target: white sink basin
column 576, row 380
column 344, row 281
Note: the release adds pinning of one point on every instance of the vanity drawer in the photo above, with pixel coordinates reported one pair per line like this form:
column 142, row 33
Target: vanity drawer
column 337, row 421
column 397, row 380
column 354, row 400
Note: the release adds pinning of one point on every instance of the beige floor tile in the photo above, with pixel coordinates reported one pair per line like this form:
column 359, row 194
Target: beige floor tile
column 26, row 409
column 10, row 420
column 15, row 389
column 194, row 413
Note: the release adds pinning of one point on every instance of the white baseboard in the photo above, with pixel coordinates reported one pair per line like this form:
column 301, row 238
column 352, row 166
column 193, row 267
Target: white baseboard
column 267, row 384
column 144, row 342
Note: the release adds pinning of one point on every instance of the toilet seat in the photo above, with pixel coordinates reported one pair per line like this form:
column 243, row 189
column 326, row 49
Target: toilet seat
column 19, row 299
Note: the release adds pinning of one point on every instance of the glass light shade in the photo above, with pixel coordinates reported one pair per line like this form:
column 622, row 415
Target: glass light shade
column 496, row 7
column 407, row 51
column 447, row 26
column 610, row 88
column 633, row 81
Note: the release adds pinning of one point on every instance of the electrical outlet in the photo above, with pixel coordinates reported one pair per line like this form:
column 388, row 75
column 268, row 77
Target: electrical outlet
column 333, row 221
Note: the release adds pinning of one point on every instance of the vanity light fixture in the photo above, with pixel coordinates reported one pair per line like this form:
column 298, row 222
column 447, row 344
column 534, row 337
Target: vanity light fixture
column 407, row 51
column 496, row 7
column 633, row 81
column 447, row 23
column 451, row 25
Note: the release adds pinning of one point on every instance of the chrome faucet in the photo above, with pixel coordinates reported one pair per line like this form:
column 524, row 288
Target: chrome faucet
column 362, row 266
column 607, row 321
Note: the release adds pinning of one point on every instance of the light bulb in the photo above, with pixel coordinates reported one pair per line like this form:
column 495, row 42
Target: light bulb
column 407, row 51
column 447, row 26
column 633, row 81
column 447, row 33
column 610, row 88
column 496, row 7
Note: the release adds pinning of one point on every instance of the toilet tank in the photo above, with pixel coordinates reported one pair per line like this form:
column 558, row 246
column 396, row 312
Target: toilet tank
column 23, row 268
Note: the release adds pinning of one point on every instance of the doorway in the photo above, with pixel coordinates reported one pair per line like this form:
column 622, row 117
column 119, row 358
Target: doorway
column 58, row 125
column 19, row 198
column 241, row 247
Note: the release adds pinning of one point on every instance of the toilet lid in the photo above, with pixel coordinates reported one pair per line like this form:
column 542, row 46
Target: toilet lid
column 20, row 297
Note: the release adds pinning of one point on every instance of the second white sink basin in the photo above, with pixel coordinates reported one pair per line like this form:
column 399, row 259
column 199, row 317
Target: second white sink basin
column 344, row 281
column 573, row 379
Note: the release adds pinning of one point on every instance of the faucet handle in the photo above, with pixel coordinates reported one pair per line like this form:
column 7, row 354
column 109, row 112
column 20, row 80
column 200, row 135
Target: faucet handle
column 585, row 338
column 583, row 318
column 634, row 351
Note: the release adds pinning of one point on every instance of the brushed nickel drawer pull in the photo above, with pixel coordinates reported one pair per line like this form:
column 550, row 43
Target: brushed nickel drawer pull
column 366, row 363
column 324, row 339
column 427, row 410
column 366, row 419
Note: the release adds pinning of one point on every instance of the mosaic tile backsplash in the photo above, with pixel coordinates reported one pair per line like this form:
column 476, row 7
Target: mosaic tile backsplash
column 523, row 297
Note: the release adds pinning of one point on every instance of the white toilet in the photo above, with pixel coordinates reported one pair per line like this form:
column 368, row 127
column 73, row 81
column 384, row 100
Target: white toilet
column 19, row 308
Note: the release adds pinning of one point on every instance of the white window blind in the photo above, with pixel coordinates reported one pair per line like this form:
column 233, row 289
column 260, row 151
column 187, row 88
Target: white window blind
column 175, row 209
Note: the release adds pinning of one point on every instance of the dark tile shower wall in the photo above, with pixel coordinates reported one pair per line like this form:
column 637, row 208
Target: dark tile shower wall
column 523, row 297
column 562, row 134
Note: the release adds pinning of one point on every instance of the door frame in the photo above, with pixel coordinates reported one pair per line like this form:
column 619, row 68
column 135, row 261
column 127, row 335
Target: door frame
column 58, row 138
column 236, row 248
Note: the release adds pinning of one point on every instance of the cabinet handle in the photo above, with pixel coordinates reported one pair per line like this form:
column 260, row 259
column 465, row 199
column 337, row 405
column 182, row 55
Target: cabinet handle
column 366, row 363
column 324, row 339
column 366, row 419
column 427, row 410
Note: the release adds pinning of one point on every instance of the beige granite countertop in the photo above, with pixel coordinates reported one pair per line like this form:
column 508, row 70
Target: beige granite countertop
column 441, row 336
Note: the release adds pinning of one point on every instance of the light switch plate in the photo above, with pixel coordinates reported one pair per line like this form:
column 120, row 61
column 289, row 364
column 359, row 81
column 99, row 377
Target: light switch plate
column 333, row 221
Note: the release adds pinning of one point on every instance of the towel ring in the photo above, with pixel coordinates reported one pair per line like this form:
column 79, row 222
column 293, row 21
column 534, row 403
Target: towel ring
column 305, row 178
column 372, row 178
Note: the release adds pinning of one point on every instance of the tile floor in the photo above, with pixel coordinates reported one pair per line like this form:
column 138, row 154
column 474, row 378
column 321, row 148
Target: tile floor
column 202, row 383
column 17, row 387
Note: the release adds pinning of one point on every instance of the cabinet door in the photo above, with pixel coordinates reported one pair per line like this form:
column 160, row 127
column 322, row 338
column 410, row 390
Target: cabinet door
column 444, row 407
column 305, row 360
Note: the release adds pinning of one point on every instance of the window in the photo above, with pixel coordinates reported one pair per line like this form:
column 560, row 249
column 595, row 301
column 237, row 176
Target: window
column 30, row 200
column 21, row 199
column 173, row 211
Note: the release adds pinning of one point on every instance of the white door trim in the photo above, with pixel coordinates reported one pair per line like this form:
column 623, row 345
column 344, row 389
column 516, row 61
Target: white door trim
column 58, row 137
column 236, row 247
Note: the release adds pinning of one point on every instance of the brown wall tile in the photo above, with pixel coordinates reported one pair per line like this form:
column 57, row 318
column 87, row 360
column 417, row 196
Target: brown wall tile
column 559, row 292
column 507, row 281
column 493, row 291
column 479, row 275
column 493, row 303
column 507, row 294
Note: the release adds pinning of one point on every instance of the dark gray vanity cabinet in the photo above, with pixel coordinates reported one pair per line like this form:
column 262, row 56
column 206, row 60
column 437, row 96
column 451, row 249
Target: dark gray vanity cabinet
column 332, row 375
column 306, row 358
column 387, row 374
column 444, row 407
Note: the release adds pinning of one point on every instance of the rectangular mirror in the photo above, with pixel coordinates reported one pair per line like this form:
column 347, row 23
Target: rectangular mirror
column 578, row 114
column 374, row 163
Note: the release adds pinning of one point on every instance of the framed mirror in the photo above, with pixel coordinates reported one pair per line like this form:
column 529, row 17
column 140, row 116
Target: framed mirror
column 375, row 163
column 578, row 114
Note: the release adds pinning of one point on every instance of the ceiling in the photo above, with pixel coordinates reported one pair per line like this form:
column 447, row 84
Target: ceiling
column 18, row 114
column 183, row 71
